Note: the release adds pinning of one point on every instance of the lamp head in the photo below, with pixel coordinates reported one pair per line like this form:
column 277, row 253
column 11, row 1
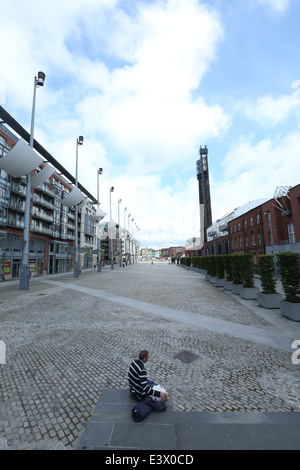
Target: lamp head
column 40, row 79
column 112, row 189
column 80, row 140
column 100, row 171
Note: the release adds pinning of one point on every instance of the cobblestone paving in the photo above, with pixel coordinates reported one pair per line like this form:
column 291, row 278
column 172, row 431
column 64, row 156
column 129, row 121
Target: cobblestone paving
column 64, row 347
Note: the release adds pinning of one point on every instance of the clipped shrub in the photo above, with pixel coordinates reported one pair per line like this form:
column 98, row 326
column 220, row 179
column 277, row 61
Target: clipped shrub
column 289, row 268
column 236, row 269
column 211, row 265
column 247, row 271
column 220, row 267
column 267, row 274
column 228, row 268
column 196, row 261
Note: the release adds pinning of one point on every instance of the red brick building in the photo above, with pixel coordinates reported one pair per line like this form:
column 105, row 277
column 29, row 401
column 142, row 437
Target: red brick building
column 259, row 227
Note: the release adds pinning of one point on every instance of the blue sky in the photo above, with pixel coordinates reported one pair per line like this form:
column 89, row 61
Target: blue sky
column 146, row 83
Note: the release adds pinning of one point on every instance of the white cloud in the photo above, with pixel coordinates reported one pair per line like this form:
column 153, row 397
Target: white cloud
column 131, row 84
column 253, row 170
column 267, row 110
column 147, row 107
column 165, row 217
column 277, row 6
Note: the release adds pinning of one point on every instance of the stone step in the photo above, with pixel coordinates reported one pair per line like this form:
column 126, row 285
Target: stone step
column 111, row 427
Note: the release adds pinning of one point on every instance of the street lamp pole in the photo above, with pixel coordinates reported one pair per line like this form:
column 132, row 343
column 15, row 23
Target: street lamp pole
column 128, row 237
column 125, row 238
column 120, row 254
column 267, row 213
column 132, row 240
column 111, row 239
column 99, row 172
column 79, row 141
column 24, row 272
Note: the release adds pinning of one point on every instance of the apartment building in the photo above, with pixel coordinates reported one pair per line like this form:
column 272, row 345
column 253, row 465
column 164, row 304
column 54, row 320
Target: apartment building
column 52, row 223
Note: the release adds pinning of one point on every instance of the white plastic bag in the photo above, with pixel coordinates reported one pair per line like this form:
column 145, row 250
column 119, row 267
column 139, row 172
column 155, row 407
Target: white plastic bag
column 158, row 388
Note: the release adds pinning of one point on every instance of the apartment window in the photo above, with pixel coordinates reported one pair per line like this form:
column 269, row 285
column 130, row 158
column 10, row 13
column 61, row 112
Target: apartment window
column 291, row 232
column 246, row 240
column 259, row 237
column 2, row 140
column 251, row 221
column 253, row 239
column 240, row 241
column 239, row 227
column 257, row 218
column 245, row 223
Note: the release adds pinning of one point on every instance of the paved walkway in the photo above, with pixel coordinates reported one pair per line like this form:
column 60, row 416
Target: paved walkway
column 69, row 343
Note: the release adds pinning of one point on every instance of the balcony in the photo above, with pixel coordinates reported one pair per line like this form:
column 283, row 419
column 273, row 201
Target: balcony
column 44, row 188
column 39, row 214
column 40, row 229
column 14, row 222
column 17, row 205
column 18, row 188
column 42, row 201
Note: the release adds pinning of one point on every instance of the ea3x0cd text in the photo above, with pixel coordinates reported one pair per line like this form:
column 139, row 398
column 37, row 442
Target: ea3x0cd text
column 151, row 459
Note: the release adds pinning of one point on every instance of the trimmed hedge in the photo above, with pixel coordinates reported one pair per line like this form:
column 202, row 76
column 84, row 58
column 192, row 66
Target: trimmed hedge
column 289, row 268
column 267, row 274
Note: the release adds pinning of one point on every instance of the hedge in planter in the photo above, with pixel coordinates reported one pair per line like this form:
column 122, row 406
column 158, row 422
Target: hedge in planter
column 220, row 267
column 228, row 268
column 248, row 290
column 237, row 273
column 247, row 273
column 196, row 262
column 267, row 274
column 185, row 261
column 269, row 298
column 289, row 268
column 212, row 271
column 236, row 269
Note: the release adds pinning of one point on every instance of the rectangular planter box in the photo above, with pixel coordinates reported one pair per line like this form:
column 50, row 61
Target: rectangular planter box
column 249, row 293
column 236, row 288
column 210, row 278
column 219, row 282
column 228, row 285
column 290, row 310
column 269, row 300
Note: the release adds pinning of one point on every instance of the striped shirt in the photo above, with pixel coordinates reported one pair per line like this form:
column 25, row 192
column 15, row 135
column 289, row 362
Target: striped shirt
column 138, row 382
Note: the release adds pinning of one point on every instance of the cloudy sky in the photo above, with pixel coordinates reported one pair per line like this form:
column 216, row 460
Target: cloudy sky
column 146, row 82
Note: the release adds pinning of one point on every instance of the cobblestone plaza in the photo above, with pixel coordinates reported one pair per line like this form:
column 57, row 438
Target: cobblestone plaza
column 68, row 339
